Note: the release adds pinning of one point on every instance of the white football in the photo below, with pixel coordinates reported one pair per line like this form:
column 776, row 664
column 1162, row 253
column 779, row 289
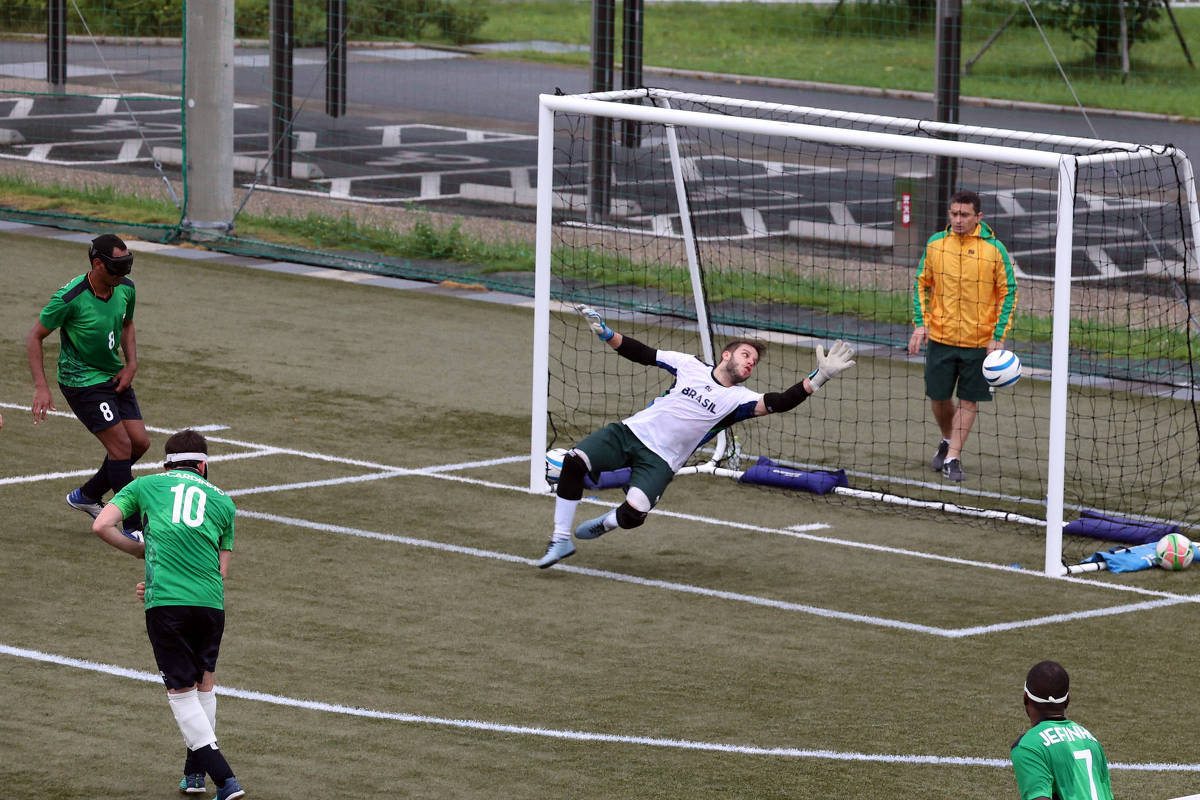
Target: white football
column 1173, row 552
column 1001, row 368
column 554, row 462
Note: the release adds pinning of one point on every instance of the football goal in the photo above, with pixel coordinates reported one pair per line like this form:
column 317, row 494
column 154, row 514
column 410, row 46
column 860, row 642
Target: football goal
column 690, row 219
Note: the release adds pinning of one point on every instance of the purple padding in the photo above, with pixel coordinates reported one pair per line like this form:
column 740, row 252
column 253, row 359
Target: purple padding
column 767, row 473
column 1117, row 529
column 609, row 480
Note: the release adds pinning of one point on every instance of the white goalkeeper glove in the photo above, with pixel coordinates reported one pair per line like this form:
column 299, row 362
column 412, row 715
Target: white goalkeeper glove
column 596, row 322
column 837, row 360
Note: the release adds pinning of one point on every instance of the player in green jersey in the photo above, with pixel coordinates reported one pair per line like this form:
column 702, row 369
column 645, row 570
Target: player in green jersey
column 94, row 313
column 1057, row 759
column 188, row 543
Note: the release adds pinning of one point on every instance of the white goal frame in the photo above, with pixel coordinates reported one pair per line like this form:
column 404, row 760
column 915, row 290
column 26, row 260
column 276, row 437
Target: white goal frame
column 608, row 104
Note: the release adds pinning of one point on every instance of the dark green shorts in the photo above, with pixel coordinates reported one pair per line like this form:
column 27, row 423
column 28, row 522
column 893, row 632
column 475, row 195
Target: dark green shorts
column 947, row 365
column 614, row 446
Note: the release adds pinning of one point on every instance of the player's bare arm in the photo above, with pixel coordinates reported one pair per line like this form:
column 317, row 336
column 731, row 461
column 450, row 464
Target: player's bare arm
column 42, row 400
column 108, row 525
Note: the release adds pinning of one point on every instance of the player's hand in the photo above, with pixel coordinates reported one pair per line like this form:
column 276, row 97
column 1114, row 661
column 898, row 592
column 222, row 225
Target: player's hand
column 830, row 364
column 595, row 322
column 124, row 378
column 140, row 591
column 42, row 403
column 919, row 335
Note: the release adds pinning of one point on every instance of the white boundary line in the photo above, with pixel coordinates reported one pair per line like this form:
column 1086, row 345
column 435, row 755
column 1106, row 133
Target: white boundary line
column 384, row 471
column 558, row 733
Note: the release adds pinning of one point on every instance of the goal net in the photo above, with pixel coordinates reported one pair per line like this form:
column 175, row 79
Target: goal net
column 689, row 219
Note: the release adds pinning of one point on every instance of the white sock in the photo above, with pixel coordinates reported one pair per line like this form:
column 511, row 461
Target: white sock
column 191, row 719
column 564, row 518
column 208, row 701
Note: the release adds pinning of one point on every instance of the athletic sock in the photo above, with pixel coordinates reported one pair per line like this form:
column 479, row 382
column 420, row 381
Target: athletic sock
column 564, row 518
column 98, row 484
column 209, row 759
column 120, row 472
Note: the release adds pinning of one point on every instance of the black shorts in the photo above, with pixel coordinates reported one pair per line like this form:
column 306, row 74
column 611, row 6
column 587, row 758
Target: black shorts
column 99, row 407
column 186, row 641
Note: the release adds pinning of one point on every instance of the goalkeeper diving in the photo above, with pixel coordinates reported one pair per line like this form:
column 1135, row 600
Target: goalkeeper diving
column 656, row 441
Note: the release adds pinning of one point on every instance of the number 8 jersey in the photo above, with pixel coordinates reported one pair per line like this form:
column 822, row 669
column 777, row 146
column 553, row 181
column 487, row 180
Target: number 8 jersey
column 91, row 330
column 188, row 522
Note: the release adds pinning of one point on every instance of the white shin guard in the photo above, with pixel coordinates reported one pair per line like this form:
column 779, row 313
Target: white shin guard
column 208, row 701
column 193, row 722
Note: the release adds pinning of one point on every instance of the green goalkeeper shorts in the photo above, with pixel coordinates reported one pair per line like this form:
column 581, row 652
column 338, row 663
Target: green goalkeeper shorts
column 615, row 446
column 947, row 366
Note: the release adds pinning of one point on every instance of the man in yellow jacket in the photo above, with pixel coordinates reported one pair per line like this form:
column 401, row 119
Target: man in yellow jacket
column 963, row 301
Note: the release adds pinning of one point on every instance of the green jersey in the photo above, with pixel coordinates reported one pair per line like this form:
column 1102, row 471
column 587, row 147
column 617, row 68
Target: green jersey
column 91, row 330
column 1059, row 759
column 188, row 521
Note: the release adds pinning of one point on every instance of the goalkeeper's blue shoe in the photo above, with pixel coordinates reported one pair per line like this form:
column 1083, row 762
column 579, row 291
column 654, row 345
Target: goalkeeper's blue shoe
column 556, row 552
column 134, row 533
column 592, row 529
column 192, row 784
column 77, row 499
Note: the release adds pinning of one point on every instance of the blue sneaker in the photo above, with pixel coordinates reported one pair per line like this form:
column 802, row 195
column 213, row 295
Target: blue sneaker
column 231, row 790
column 192, row 784
column 77, row 499
column 556, row 552
column 592, row 529
column 134, row 534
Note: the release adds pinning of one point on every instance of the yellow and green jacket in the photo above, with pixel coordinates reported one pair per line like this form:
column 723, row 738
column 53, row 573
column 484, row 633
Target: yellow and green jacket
column 965, row 290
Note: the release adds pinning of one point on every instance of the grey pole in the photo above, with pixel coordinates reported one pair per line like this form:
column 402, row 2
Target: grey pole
column 949, row 59
column 282, row 48
column 56, row 43
column 600, row 166
column 208, row 115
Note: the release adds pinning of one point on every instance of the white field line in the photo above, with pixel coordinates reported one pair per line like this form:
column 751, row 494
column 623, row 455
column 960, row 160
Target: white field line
column 439, row 472
column 720, row 594
column 558, row 733
column 144, row 466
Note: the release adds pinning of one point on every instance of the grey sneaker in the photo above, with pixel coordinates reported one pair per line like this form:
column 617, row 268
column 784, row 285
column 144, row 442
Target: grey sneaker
column 556, row 552
column 592, row 529
column 952, row 470
column 939, row 458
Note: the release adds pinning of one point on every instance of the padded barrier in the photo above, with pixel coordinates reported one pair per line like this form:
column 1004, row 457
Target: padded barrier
column 612, row 479
column 1116, row 529
column 767, row 473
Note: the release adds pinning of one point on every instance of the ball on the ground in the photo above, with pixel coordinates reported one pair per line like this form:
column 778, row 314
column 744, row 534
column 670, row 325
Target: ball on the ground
column 1173, row 551
column 1001, row 368
column 554, row 462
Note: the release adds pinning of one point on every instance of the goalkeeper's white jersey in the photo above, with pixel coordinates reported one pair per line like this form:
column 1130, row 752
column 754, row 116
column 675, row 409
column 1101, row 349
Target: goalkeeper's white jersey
column 695, row 408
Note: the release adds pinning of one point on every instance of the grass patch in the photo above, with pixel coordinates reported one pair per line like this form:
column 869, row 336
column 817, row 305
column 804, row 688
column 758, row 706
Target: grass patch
column 864, row 44
column 427, row 240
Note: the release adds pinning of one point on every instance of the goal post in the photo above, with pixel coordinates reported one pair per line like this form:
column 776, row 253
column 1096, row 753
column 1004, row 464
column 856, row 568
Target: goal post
column 736, row 217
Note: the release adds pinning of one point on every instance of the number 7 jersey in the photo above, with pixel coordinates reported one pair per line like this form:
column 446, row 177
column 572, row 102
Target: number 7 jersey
column 188, row 521
column 1062, row 760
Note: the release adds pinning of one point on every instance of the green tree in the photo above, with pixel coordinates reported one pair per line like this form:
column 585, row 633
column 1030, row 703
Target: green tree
column 1099, row 22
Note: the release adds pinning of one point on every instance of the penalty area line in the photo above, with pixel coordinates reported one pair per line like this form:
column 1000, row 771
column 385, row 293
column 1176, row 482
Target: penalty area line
column 562, row 733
